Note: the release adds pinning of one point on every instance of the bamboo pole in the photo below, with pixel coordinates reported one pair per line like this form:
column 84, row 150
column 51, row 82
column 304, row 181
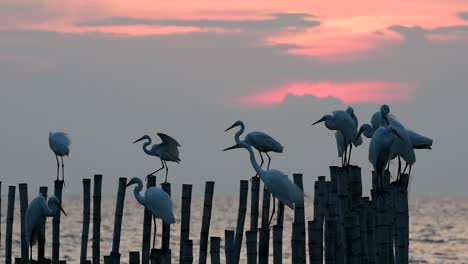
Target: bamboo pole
column 86, row 216
column 243, row 192
column 402, row 220
column 229, row 246
column 280, row 214
column 214, row 250
column 41, row 239
column 166, row 229
column 371, row 232
column 9, row 224
column 23, row 192
column 185, row 218
column 382, row 229
column 115, row 253
column 254, row 212
column 134, row 257
column 97, row 218
column 205, row 228
column 277, row 244
column 363, row 208
column 188, row 252
column 331, row 225
column 264, row 235
column 147, row 218
column 58, row 186
column 353, row 232
column 298, row 236
column 251, row 242
column 315, row 242
column 339, row 179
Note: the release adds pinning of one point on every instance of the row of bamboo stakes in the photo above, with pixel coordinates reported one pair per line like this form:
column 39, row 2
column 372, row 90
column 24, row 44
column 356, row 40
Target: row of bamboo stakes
column 346, row 227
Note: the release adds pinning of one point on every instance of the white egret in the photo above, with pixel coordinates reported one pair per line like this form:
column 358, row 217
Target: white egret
column 276, row 182
column 262, row 142
column 167, row 150
column 402, row 147
column 343, row 122
column 59, row 143
column 155, row 199
column 36, row 214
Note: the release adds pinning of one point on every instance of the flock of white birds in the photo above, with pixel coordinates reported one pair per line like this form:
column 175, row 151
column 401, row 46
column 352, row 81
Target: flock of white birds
column 389, row 140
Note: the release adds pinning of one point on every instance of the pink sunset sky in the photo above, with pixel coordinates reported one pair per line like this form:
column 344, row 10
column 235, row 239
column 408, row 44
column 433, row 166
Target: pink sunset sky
column 331, row 32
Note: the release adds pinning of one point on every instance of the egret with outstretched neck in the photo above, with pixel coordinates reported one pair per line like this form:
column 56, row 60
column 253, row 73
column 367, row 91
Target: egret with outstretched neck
column 167, row 150
column 262, row 142
column 59, row 143
column 276, row 182
column 36, row 216
column 155, row 199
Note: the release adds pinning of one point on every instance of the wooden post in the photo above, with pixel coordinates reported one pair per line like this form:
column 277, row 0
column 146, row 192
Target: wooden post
column 58, row 186
column 215, row 244
column 277, row 244
column 280, row 214
column 315, row 242
column 41, row 239
column 97, row 218
column 331, row 225
column 251, row 241
column 402, row 220
column 264, row 235
column 23, row 192
column 353, row 232
column 185, row 218
column 363, row 226
column 86, row 213
column 298, row 236
column 339, row 179
column 147, row 219
column 166, row 229
column 244, row 189
column 383, row 230
column 371, row 232
column 107, row 260
column 9, row 224
column 134, row 257
column 205, row 228
column 254, row 201
column 229, row 246
column 115, row 253
column 188, row 252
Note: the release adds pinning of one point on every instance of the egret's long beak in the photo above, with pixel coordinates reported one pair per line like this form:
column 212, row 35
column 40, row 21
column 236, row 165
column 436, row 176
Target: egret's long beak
column 128, row 184
column 229, row 128
column 61, row 209
column 233, row 147
column 140, row 139
column 321, row 120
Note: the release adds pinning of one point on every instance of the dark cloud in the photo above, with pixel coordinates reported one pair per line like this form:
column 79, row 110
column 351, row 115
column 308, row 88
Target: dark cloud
column 277, row 22
column 463, row 15
column 419, row 32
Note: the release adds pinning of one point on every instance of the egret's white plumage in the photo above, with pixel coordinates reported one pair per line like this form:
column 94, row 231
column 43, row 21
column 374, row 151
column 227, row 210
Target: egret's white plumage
column 262, row 142
column 344, row 123
column 155, row 199
column 36, row 215
column 402, row 146
column 59, row 143
column 276, row 182
column 167, row 150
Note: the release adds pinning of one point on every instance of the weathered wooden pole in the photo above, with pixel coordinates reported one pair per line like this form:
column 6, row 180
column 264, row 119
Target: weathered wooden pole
column 166, row 230
column 383, row 230
column 364, row 229
column 115, row 253
column 96, row 246
column 331, row 225
column 254, row 201
column 264, row 231
column 185, row 217
column 205, row 228
column 315, row 242
column 41, row 239
column 298, row 241
column 339, row 186
column 372, row 230
column 243, row 191
column 9, row 224
column 147, row 219
column 215, row 244
column 280, row 214
column 23, row 192
column 320, row 200
column 402, row 220
column 353, row 232
column 277, row 244
column 229, row 246
column 251, row 242
column 58, row 186
column 86, row 216
column 134, row 257
column 188, row 252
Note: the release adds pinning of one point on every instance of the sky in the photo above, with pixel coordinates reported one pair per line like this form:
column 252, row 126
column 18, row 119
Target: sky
column 108, row 72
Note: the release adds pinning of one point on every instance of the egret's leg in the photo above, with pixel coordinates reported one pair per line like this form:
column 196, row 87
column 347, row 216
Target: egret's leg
column 404, row 169
column 58, row 166
column 30, row 252
column 167, row 170
column 261, row 164
column 350, row 149
column 399, row 167
column 345, row 154
column 273, row 212
column 269, row 160
column 156, row 170
column 63, row 169
column 154, row 235
column 409, row 171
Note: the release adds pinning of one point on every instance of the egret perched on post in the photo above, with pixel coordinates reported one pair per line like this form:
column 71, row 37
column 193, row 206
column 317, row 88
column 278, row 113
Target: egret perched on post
column 157, row 200
column 167, row 150
column 259, row 140
column 402, row 147
column 276, row 182
column 342, row 122
column 59, row 143
column 36, row 214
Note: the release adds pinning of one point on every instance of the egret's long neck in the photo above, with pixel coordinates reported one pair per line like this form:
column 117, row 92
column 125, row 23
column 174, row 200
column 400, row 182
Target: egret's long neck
column 255, row 165
column 146, row 147
column 238, row 133
column 136, row 193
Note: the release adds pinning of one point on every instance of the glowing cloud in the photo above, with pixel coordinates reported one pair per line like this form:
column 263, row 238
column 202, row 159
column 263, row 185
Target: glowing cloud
column 347, row 92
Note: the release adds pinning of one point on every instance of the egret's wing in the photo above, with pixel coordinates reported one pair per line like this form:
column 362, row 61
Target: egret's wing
column 263, row 140
column 160, row 204
column 168, row 140
column 340, row 144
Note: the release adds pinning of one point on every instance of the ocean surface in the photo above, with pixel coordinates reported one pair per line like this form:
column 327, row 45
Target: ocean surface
column 438, row 228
